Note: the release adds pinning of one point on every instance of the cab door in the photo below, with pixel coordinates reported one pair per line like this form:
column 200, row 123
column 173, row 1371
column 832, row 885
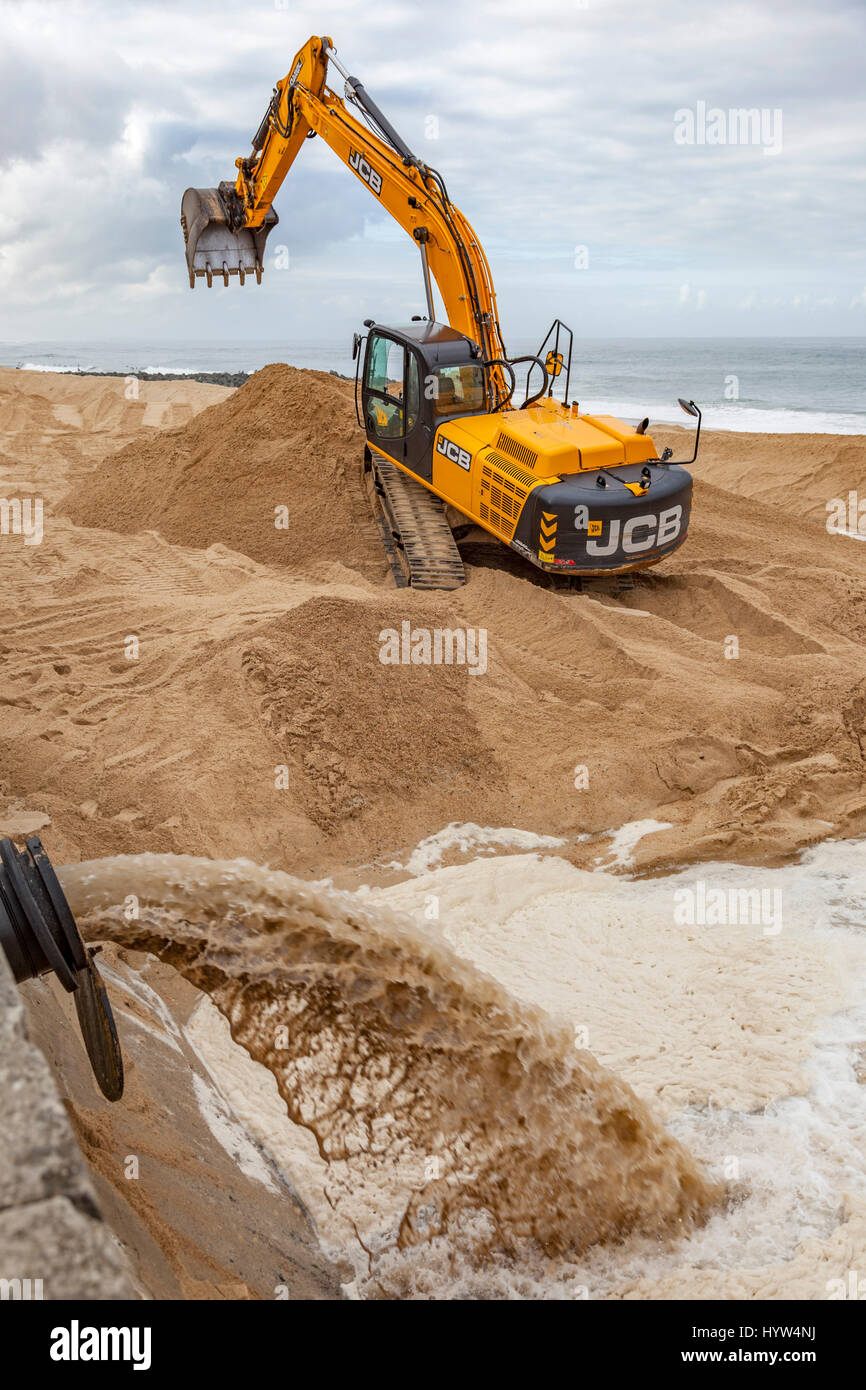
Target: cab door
column 392, row 402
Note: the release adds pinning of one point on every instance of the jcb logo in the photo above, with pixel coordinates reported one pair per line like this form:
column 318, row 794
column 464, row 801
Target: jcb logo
column 453, row 452
column 653, row 531
column 366, row 172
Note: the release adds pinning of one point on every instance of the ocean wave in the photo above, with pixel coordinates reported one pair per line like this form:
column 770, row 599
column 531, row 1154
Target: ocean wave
column 46, row 367
column 181, row 371
column 741, row 419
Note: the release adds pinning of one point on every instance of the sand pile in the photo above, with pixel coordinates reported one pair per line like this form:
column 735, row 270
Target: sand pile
column 356, row 740
column 724, row 694
column 800, row 473
column 286, row 439
column 75, row 421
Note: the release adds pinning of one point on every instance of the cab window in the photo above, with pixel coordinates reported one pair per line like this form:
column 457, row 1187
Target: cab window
column 384, row 382
column 458, row 390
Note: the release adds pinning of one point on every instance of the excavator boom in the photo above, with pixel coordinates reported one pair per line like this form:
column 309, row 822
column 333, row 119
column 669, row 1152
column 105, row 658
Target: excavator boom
column 226, row 228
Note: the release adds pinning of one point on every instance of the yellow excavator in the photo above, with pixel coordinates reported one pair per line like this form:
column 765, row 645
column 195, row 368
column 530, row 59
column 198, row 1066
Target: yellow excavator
column 448, row 451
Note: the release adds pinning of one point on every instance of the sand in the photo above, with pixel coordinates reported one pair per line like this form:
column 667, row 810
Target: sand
column 807, row 472
column 183, row 676
column 256, row 645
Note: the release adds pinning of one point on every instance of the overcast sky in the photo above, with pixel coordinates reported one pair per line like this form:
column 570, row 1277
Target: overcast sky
column 561, row 135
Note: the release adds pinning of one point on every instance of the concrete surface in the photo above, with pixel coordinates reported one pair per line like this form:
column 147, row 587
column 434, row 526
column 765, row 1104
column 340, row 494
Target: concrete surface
column 53, row 1241
column 200, row 1210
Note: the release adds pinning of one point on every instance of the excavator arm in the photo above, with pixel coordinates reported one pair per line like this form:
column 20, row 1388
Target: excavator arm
column 226, row 228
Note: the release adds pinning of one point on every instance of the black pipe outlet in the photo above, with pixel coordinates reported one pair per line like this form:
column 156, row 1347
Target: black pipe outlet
column 39, row 936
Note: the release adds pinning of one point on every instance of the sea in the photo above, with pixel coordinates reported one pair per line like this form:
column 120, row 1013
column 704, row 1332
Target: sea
column 772, row 385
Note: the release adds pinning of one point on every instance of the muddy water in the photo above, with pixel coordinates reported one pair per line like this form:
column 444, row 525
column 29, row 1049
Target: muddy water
column 444, row 1109
column 417, row 1080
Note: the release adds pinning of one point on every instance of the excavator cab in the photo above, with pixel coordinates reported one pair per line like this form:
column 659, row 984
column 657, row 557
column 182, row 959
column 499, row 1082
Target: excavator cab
column 416, row 376
column 217, row 243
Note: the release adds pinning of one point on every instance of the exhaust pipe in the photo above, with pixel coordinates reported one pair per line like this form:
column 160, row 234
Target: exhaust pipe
column 214, row 247
column 39, row 937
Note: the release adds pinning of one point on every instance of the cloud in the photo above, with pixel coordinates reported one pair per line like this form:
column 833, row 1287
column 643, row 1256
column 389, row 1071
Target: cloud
column 550, row 129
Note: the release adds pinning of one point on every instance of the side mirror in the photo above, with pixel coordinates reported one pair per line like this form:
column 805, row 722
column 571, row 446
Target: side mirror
column 553, row 363
column 357, row 342
column 691, row 409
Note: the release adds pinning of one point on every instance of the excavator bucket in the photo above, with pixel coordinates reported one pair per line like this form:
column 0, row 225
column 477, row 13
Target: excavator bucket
column 213, row 247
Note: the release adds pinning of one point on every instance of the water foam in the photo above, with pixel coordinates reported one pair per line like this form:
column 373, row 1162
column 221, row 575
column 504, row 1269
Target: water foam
column 752, row 1046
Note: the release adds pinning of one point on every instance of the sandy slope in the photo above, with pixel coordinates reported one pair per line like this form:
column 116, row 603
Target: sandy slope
column 255, row 719
column 800, row 473
column 67, row 422
column 258, row 650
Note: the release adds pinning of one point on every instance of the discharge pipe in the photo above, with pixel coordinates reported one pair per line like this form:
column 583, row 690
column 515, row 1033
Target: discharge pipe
column 39, row 937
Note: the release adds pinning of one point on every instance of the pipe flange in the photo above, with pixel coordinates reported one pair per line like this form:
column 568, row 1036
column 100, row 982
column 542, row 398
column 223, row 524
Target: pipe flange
column 39, row 936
